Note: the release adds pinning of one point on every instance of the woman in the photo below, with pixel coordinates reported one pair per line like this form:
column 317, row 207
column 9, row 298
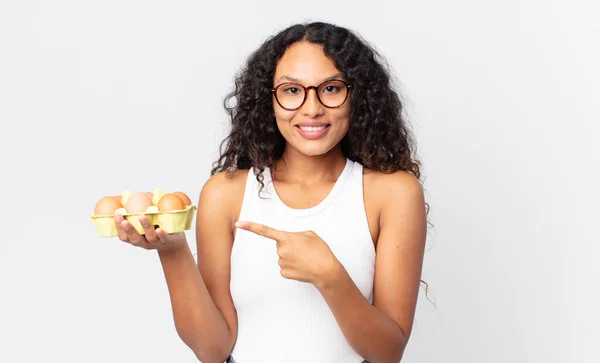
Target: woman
column 311, row 230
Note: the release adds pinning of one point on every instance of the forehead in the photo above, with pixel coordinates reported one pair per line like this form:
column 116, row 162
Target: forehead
column 306, row 62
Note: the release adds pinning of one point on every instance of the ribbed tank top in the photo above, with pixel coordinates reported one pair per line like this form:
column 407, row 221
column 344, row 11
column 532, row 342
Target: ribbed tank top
column 284, row 320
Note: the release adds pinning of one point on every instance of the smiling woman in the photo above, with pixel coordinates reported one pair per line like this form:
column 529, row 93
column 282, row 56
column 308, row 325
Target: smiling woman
column 311, row 230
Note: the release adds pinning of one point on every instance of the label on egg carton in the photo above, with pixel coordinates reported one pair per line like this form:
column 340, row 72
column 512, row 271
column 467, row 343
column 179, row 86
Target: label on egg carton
column 171, row 222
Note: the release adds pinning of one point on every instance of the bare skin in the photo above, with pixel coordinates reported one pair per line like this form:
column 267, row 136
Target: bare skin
column 203, row 309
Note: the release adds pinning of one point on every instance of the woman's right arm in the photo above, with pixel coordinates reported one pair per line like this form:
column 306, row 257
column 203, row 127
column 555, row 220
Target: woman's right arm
column 203, row 310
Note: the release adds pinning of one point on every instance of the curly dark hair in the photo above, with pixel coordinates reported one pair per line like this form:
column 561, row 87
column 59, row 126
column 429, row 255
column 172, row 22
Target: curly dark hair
column 378, row 136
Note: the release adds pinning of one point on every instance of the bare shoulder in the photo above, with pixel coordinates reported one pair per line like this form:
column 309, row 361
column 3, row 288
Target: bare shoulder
column 400, row 181
column 392, row 188
column 224, row 192
column 226, row 183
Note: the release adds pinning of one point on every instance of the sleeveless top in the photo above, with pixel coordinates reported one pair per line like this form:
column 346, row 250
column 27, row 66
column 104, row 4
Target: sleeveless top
column 282, row 319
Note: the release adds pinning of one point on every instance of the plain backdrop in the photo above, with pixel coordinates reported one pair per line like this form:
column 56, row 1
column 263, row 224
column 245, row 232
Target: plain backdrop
column 101, row 96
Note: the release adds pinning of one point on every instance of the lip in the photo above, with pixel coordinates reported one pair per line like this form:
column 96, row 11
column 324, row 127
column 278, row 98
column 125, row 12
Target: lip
column 312, row 123
column 312, row 135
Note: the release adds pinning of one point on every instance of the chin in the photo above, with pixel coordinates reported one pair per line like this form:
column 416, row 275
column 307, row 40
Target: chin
column 313, row 150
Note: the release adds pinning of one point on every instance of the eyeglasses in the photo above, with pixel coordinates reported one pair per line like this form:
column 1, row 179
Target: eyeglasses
column 291, row 95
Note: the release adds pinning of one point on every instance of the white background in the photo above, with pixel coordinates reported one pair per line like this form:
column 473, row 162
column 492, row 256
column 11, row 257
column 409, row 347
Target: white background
column 101, row 96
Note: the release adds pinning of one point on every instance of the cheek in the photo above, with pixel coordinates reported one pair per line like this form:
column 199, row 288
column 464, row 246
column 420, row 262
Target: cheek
column 343, row 119
column 283, row 117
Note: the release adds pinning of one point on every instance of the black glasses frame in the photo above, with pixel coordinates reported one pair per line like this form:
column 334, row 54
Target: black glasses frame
column 306, row 89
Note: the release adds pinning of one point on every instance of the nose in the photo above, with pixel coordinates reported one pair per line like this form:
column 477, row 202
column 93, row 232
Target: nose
column 312, row 106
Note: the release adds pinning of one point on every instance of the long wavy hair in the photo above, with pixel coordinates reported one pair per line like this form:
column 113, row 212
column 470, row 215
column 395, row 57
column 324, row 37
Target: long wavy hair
column 378, row 136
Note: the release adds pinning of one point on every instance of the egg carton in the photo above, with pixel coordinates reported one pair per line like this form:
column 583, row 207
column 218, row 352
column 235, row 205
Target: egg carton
column 170, row 222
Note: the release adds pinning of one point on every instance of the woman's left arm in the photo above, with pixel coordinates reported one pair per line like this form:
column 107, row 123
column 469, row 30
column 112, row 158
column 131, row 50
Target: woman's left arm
column 380, row 332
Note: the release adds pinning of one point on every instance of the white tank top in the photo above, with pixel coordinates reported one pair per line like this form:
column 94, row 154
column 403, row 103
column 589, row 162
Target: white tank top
column 284, row 320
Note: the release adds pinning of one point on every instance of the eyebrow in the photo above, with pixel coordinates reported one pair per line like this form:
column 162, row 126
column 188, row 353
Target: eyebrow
column 291, row 79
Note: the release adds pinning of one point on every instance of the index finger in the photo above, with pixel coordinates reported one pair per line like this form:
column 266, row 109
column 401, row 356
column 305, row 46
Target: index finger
column 261, row 230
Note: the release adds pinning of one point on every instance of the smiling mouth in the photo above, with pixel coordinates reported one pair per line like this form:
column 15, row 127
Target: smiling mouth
column 313, row 128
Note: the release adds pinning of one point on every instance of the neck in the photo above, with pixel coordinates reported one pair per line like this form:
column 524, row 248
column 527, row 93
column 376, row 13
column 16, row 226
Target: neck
column 299, row 168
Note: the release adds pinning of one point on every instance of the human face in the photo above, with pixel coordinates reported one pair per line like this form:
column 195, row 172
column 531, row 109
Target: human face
column 306, row 63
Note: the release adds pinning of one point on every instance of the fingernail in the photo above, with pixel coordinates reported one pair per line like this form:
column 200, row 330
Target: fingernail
column 238, row 224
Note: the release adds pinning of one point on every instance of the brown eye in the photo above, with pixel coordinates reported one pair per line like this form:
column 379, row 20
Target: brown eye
column 292, row 90
column 331, row 89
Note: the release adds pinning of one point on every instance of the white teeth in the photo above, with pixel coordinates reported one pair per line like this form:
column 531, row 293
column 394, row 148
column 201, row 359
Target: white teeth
column 312, row 128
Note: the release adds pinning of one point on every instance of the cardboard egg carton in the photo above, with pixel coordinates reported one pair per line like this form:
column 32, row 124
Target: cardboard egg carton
column 171, row 222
